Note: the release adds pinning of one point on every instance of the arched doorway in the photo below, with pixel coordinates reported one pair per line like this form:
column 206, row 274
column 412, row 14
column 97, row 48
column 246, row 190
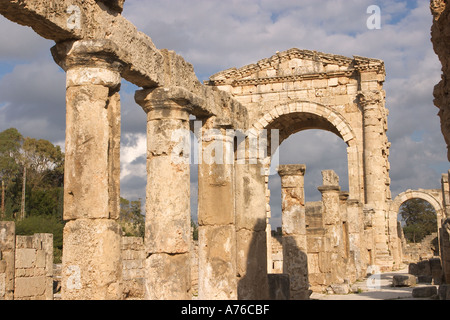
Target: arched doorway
column 433, row 197
column 294, row 119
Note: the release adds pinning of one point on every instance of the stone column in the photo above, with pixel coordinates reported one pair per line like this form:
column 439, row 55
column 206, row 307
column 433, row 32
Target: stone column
column 376, row 170
column 355, row 230
column 251, row 241
column 268, row 226
column 295, row 260
column 92, row 266
column 354, row 173
column 216, row 217
column 331, row 222
column 168, row 215
column 445, row 195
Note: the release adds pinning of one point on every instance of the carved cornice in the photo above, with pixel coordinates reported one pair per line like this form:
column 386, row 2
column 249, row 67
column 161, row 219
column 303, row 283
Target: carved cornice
column 239, row 77
column 281, row 79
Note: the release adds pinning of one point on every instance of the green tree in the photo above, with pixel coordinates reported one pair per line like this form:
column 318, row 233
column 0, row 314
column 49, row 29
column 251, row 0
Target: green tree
column 42, row 158
column 10, row 145
column 419, row 219
column 194, row 227
column 32, row 173
column 131, row 218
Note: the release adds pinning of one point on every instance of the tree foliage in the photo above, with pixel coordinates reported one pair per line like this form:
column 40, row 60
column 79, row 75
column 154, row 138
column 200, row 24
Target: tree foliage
column 131, row 218
column 420, row 219
column 41, row 196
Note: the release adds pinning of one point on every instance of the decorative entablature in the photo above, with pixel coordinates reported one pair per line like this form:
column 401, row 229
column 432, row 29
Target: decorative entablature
column 325, row 66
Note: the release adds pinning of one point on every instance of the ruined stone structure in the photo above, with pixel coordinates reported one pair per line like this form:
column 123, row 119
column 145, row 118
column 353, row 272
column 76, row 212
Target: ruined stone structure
column 439, row 34
column 326, row 244
column 26, row 265
column 433, row 197
column 133, row 260
column 267, row 102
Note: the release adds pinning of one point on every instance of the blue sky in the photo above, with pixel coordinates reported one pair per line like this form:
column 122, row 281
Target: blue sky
column 215, row 35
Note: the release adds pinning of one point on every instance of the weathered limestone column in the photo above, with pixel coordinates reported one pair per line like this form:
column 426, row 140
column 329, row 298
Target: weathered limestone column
column 92, row 265
column 445, row 194
column 7, row 259
column 355, row 230
column 375, row 170
column 295, row 259
column 251, row 238
column 216, row 217
column 268, row 226
column 331, row 219
column 354, row 174
column 167, row 223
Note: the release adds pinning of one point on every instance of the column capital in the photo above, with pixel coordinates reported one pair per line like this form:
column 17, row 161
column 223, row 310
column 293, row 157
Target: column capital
column 157, row 101
column 90, row 62
column 291, row 170
column 370, row 98
column 324, row 189
column 88, row 53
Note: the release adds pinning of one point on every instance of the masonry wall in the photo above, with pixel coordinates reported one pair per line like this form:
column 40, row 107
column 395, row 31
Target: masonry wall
column 133, row 258
column 34, row 267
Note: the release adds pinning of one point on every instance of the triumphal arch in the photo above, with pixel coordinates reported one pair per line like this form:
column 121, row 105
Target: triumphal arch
column 267, row 102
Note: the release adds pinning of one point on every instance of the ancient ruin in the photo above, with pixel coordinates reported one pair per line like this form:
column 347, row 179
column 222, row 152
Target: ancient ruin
column 244, row 114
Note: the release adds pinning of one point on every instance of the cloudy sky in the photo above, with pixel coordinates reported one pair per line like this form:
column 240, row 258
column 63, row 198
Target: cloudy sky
column 216, row 35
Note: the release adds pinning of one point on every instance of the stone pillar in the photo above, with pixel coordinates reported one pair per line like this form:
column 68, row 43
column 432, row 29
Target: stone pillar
column 295, row 260
column 331, row 222
column 268, row 216
column 251, row 241
column 355, row 230
column 216, row 217
column 7, row 259
column 168, row 215
column 376, row 170
column 445, row 195
column 354, row 174
column 92, row 266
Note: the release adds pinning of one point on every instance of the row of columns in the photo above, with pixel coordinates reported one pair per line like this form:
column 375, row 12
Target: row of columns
column 232, row 202
column 232, row 215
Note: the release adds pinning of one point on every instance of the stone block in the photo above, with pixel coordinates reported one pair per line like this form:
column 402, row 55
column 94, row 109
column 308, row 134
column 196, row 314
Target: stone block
column 7, row 235
column 168, row 276
column 25, row 258
column 404, row 280
column 279, row 286
column 217, row 264
column 424, row 279
column 30, row 287
column 425, row 292
column 341, row 288
column 92, row 260
column 330, row 178
column 444, row 292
